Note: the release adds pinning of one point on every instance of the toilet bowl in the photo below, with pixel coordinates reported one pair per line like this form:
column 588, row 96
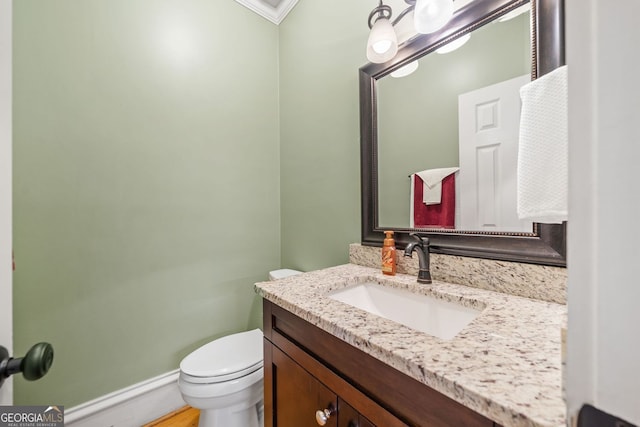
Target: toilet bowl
column 224, row 379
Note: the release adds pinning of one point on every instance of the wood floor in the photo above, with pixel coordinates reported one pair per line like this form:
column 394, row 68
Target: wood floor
column 183, row 417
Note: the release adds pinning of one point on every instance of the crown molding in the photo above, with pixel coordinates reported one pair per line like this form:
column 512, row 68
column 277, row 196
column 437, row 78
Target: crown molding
column 264, row 9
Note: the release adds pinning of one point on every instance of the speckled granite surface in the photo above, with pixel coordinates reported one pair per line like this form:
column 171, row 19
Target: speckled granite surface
column 541, row 282
column 506, row 364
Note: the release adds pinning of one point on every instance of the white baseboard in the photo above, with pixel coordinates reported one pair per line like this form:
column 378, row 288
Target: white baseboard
column 131, row 406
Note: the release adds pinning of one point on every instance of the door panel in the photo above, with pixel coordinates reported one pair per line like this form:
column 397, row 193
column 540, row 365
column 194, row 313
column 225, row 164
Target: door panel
column 489, row 121
column 6, row 332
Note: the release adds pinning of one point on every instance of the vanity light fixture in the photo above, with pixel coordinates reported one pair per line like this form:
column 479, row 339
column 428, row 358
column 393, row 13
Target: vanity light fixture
column 428, row 16
column 457, row 43
column 405, row 70
column 431, row 15
column 383, row 42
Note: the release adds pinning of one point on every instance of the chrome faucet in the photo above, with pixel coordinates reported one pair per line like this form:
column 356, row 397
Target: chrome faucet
column 421, row 245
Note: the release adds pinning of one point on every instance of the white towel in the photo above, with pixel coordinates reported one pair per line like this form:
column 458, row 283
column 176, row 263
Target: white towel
column 543, row 149
column 432, row 179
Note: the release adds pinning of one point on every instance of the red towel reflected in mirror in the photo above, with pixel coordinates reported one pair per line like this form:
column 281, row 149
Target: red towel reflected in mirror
column 442, row 215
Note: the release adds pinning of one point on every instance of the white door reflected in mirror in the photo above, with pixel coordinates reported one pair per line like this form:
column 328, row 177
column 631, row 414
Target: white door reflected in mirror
column 486, row 191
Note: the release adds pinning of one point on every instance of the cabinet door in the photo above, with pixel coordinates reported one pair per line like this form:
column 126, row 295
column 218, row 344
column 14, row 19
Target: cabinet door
column 298, row 395
column 349, row 417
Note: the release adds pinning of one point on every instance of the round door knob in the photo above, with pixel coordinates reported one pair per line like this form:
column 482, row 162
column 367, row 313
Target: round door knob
column 37, row 361
column 34, row 365
column 323, row 415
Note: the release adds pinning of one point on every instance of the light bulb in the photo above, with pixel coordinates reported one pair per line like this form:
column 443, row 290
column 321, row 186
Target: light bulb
column 451, row 46
column 382, row 46
column 405, row 70
column 383, row 43
column 431, row 15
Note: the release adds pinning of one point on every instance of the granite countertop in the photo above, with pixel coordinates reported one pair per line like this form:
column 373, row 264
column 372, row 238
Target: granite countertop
column 505, row 365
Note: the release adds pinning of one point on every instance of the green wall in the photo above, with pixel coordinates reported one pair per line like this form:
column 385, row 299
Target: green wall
column 146, row 184
column 322, row 45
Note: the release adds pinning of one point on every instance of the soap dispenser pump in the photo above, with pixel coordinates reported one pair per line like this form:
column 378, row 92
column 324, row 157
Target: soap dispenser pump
column 389, row 255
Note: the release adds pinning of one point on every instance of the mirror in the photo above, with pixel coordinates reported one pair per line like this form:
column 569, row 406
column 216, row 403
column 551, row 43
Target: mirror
column 426, row 121
column 398, row 139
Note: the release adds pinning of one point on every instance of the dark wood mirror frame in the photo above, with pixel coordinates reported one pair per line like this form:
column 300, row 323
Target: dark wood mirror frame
column 547, row 244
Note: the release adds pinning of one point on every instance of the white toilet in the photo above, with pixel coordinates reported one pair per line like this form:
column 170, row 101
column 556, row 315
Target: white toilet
column 224, row 379
column 282, row 273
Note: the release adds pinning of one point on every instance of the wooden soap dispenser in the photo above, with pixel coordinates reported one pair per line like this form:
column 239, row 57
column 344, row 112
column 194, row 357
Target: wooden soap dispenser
column 389, row 255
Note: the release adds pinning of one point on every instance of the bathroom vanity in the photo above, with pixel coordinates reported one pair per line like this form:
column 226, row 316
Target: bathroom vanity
column 308, row 370
column 348, row 367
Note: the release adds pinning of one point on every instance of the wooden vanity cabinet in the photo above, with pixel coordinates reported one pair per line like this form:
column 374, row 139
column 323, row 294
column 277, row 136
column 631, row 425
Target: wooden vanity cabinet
column 307, row 369
column 299, row 395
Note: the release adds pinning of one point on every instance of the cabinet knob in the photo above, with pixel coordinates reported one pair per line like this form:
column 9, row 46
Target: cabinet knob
column 323, row 415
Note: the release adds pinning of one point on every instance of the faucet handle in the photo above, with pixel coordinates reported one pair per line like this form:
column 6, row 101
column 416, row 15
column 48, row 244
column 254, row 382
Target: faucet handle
column 416, row 235
column 423, row 241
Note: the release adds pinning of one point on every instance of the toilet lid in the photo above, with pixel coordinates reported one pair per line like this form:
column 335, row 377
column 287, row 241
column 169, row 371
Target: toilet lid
column 239, row 354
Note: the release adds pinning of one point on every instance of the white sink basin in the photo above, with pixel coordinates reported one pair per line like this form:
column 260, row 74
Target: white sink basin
column 433, row 316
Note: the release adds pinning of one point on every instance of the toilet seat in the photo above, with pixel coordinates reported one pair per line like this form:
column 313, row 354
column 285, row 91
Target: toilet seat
column 220, row 378
column 222, row 388
column 224, row 359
